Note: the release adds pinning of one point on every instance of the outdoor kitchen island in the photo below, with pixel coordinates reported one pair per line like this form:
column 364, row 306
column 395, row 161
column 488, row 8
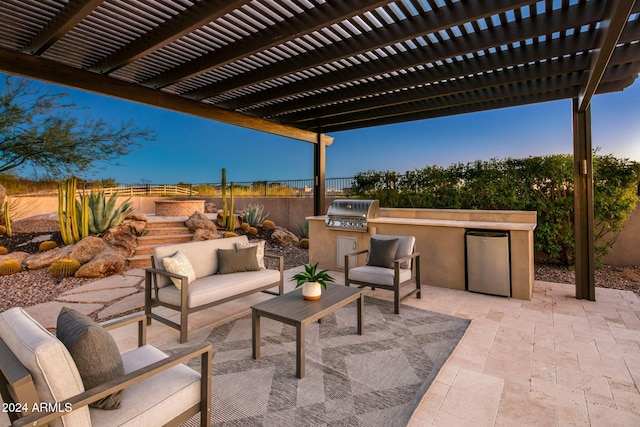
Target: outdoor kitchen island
column 440, row 239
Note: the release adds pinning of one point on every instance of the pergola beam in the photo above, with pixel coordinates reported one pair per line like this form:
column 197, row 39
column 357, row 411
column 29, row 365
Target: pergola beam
column 45, row 70
column 612, row 28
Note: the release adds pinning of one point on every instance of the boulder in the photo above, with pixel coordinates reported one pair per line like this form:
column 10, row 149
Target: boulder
column 105, row 264
column 17, row 256
column 284, row 237
column 137, row 217
column 45, row 259
column 204, row 234
column 35, row 224
column 137, row 226
column 210, row 207
column 220, row 217
column 121, row 239
column 198, row 221
column 86, row 249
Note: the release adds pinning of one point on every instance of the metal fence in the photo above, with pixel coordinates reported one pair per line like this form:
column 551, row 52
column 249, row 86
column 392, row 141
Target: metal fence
column 334, row 187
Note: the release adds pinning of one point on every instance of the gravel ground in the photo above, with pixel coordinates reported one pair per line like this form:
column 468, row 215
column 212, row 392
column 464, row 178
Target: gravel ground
column 33, row 287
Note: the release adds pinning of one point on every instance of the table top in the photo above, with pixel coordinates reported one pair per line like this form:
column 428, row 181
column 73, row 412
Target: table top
column 293, row 306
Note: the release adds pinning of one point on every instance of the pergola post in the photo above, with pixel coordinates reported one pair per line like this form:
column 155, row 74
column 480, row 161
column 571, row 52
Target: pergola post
column 319, row 175
column 583, row 204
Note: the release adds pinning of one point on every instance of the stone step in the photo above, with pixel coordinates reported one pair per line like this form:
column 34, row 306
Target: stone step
column 146, row 250
column 166, row 222
column 139, row 261
column 165, row 231
column 164, row 239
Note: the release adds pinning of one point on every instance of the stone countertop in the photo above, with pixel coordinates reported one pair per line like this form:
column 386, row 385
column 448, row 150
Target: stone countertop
column 484, row 225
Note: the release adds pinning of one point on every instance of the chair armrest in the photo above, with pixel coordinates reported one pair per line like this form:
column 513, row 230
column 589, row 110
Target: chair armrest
column 280, row 259
column 140, row 319
column 363, row 251
column 407, row 258
column 99, row 392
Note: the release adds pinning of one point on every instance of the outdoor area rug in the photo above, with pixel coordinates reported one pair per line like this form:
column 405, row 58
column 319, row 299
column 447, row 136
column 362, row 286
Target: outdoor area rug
column 375, row 379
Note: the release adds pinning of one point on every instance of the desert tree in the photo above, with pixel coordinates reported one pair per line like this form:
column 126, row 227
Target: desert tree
column 42, row 129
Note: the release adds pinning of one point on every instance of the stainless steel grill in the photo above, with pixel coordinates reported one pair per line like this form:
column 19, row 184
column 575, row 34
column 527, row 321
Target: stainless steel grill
column 352, row 215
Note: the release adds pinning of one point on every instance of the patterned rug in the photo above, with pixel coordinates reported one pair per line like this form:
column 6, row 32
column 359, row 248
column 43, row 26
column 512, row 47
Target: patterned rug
column 375, row 379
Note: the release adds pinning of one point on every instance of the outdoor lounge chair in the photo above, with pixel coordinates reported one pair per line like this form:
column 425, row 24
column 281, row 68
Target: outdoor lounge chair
column 390, row 265
column 40, row 381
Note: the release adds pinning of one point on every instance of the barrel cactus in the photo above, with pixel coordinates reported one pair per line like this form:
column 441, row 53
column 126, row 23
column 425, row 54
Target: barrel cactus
column 3, row 229
column 10, row 266
column 64, row 267
column 245, row 226
column 304, row 243
column 230, row 234
column 268, row 225
column 252, row 230
column 46, row 245
column 3, row 250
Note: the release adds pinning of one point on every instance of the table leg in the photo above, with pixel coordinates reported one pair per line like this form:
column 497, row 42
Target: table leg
column 255, row 334
column 300, row 346
column 361, row 315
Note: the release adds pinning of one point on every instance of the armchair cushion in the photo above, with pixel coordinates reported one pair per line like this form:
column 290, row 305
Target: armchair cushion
column 405, row 246
column 377, row 275
column 237, row 261
column 52, row 368
column 382, row 252
column 178, row 263
column 94, row 352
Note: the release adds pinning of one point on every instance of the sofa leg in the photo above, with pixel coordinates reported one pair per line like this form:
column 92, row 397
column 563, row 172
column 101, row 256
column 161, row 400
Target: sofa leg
column 396, row 302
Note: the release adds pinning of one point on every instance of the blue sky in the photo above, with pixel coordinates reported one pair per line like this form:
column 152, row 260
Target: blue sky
column 194, row 150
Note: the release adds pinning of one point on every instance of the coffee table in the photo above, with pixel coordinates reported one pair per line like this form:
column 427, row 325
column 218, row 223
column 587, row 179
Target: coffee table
column 292, row 309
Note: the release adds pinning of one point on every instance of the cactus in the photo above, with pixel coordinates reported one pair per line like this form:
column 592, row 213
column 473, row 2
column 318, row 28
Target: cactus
column 230, row 234
column 245, row 226
column 46, row 245
column 10, row 266
column 64, row 267
column 304, row 243
column 268, row 225
column 3, row 229
column 228, row 218
column 7, row 219
column 252, row 230
column 67, row 211
column 3, row 250
column 253, row 214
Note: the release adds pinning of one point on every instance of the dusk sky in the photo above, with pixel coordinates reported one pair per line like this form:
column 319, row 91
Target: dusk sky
column 194, row 150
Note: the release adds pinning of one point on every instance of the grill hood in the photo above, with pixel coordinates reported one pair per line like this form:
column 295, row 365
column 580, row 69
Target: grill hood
column 351, row 214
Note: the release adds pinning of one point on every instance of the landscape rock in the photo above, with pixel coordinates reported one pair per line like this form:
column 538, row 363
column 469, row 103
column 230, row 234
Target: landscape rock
column 121, row 239
column 36, row 224
column 45, row 259
column 284, row 237
column 137, row 226
column 137, row 217
column 17, row 256
column 86, row 249
column 106, row 264
column 198, row 221
column 220, row 217
column 204, row 234
column 210, row 207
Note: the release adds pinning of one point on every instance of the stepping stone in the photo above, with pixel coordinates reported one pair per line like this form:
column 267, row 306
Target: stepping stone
column 111, row 282
column 134, row 272
column 105, row 295
column 132, row 302
column 47, row 313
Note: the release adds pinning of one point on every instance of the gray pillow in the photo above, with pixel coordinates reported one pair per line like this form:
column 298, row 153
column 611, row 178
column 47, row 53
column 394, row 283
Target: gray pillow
column 94, row 351
column 382, row 253
column 237, row 260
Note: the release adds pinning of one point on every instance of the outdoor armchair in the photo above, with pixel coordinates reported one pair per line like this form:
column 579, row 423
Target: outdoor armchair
column 391, row 264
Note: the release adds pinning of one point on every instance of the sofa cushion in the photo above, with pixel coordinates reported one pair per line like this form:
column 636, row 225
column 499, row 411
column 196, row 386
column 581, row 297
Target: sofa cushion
column 260, row 252
column 52, row 368
column 178, row 263
column 202, row 255
column 382, row 252
column 237, row 260
column 220, row 286
column 377, row 275
column 156, row 400
column 94, row 351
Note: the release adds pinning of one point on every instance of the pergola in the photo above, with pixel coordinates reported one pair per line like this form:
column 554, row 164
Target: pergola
column 306, row 68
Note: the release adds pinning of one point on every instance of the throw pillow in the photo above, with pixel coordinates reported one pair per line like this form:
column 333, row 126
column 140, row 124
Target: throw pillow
column 235, row 261
column 382, row 253
column 178, row 263
column 259, row 253
column 94, row 351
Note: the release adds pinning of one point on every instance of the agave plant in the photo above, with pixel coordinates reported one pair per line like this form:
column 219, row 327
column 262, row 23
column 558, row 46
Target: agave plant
column 310, row 274
column 253, row 215
column 102, row 213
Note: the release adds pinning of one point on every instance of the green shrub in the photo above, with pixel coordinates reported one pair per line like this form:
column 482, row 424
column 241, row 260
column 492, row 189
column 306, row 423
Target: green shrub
column 253, row 215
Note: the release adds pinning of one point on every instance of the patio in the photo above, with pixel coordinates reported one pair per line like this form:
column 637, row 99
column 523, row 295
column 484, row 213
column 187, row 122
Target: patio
column 553, row 360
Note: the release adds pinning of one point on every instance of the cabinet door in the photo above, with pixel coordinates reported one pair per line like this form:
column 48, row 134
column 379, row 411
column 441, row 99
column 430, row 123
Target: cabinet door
column 346, row 245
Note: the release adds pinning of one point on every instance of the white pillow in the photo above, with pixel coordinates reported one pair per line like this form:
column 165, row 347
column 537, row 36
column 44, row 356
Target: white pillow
column 178, row 263
column 259, row 252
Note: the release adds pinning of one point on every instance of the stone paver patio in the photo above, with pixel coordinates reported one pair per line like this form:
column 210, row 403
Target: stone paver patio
column 553, row 360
